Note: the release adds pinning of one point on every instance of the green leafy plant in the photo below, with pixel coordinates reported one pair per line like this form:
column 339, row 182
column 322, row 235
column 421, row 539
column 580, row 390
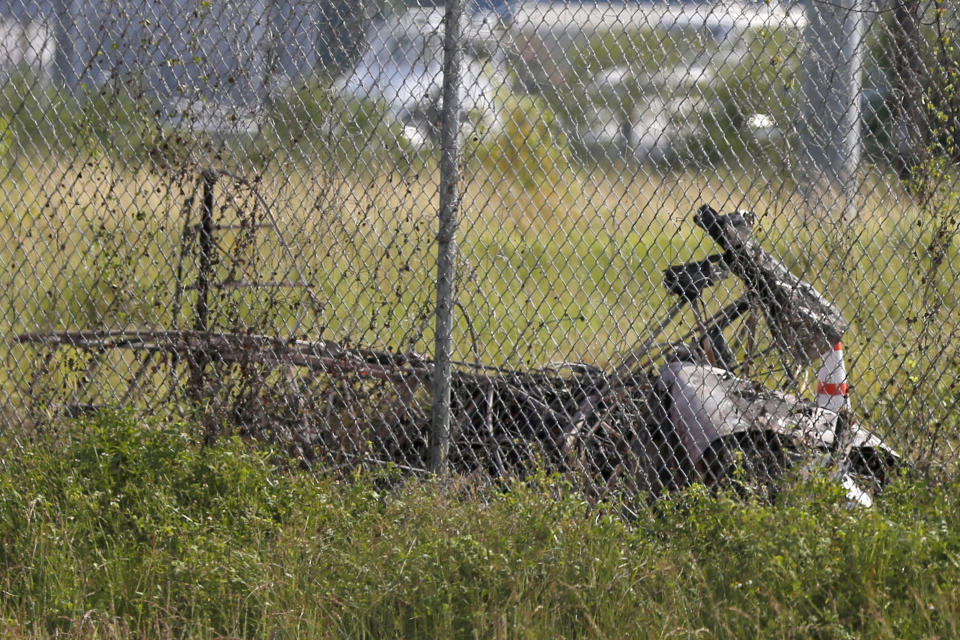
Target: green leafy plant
column 530, row 151
column 119, row 527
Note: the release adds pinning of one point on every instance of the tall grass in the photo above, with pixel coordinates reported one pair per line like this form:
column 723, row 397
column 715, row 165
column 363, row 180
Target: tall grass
column 119, row 528
column 565, row 276
column 571, row 277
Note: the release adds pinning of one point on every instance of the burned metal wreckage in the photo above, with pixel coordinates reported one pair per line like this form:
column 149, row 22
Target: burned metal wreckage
column 676, row 413
column 668, row 415
column 717, row 416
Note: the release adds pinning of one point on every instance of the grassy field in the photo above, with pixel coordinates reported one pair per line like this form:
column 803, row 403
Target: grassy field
column 122, row 527
column 116, row 528
column 131, row 524
column 569, row 273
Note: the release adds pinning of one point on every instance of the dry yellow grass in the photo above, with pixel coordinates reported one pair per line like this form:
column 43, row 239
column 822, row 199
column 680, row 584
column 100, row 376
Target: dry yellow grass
column 542, row 277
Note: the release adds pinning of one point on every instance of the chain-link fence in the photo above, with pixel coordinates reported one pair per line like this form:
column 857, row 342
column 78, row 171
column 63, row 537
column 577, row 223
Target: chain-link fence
column 488, row 236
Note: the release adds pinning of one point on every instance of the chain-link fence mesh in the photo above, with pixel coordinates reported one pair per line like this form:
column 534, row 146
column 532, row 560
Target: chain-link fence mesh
column 228, row 211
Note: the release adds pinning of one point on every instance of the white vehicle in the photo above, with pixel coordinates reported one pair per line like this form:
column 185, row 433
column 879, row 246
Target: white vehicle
column 402, row 67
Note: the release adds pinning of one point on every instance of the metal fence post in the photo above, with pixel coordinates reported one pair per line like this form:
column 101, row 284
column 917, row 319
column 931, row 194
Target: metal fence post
column 446, row 236
column 207, row 250
column 833, row 87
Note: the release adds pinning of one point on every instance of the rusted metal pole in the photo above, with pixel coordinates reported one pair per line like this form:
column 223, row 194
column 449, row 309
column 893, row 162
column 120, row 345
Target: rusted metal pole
column 446, row 237
column 207, row 248
column 202, row 318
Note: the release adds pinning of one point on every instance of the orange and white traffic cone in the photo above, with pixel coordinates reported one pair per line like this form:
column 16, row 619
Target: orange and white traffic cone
column 832, row 390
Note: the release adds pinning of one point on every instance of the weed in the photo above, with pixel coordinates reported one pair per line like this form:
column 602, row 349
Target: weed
column 124, row 528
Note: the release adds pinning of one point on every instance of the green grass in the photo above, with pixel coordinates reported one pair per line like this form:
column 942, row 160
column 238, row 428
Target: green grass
column 115, row 528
